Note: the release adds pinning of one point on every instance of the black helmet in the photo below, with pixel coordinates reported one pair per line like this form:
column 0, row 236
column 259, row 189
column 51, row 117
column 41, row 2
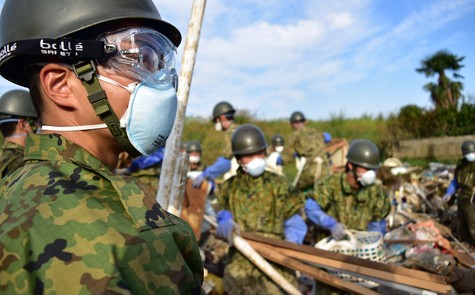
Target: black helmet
column 17, row 103
column 468, row 147
column 297, row 117
column 277, row 139
column 39, row 19
column 193, row 146
column 364, row 153
column 221, row 108
column 248, row 139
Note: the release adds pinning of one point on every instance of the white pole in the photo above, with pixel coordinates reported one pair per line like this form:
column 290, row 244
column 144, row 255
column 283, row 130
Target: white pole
column 170, row 194
column 246, row 249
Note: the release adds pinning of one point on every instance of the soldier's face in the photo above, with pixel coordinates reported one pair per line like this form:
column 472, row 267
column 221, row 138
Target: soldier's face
column 244, row 160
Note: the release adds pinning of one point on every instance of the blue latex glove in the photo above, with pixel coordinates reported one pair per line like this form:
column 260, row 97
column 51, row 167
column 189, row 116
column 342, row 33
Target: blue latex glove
column 327, row 137
column 221, row 166
column 280, row 162
column 378, row 226
column 145, row 162
column 317, row 216
column 451, row 189
column 226, row 226
column 295, row 229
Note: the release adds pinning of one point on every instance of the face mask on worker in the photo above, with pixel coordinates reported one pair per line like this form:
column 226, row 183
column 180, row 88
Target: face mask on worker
column 147, row 56
column 255, row 167
column 279, row 149
column 368, row 178
column 470, row 157
column 218, row 126
column 195, row 159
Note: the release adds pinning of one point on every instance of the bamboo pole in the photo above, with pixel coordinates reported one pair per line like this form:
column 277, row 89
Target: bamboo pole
column 170, row 194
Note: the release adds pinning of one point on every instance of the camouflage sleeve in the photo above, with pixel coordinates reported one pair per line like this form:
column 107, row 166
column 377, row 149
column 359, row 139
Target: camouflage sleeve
column 324, row 192
column 290, row 200
column 382, row 205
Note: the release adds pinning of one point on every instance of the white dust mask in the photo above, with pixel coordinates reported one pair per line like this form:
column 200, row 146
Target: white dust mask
column 218, row 126
column 256, row 167
column 279, row 149
column 470, row 157
column 368, row 178
column 151, row 113
column 195, row 159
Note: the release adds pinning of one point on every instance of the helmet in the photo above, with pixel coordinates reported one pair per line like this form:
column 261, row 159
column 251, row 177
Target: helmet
column 17, row 103
column 221, row 108
column 364, row 153
column 297, row 117
column 248, row 139
column 37, row 19
column 468, row 147
column 277, row 139
column 193, row 146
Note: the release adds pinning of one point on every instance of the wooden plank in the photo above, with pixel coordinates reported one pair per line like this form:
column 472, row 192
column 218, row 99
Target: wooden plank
column 367, row 271
column 438, row 279
column 322, row 276
column 193, row 208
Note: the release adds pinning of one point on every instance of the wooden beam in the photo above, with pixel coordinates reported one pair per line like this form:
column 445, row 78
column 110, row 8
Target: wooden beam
column 319, row 275
column 422, row 275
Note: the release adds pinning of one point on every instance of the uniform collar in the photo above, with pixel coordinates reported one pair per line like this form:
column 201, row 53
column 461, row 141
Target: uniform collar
column 54, row 147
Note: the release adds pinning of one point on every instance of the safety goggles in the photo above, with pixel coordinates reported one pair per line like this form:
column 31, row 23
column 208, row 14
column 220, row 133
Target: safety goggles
column 141, row 54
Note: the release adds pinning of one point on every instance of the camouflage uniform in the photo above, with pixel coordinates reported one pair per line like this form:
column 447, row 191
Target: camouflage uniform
column 261, row 205
column 149, row 177
column 68, row 225
column 308, row 143
column 465, row 177
column 11, row 158
column 355, row 208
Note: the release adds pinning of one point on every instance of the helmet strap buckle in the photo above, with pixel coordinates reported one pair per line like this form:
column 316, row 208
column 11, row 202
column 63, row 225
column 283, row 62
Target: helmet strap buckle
column 85, row 70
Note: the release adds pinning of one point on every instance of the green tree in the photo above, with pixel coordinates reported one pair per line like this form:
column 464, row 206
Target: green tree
column 446, row 92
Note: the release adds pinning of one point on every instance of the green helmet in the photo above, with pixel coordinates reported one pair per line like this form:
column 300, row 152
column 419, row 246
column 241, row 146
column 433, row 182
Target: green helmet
column 468, row 147
column 297, row 117
column 364, row 153
column 277, row 139
column 193, row 146
column 248, row 139
column 221, row 108
column 39, row 19
column 17, row 103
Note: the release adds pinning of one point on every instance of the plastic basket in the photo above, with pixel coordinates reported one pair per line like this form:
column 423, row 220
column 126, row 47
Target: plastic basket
column 362, row 244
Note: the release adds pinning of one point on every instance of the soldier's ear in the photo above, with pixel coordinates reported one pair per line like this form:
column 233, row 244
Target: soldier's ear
column 59, row 85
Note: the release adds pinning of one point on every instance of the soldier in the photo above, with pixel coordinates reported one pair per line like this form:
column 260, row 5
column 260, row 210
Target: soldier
column 223, row 117
column 68, row 223
column 463, row 186
column 310, row 153
column 274, row 160
column 17, row 119
column 245, row 196
column 353, row 199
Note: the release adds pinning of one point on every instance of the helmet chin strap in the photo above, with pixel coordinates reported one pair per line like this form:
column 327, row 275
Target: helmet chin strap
column 86, row 71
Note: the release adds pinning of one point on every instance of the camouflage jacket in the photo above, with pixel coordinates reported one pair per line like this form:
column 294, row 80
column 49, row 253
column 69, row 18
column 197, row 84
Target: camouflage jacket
column 355, row 208
column 68, row 225
column 465, row 177
column 308, row 142
column 11, row 158
column 260, row 204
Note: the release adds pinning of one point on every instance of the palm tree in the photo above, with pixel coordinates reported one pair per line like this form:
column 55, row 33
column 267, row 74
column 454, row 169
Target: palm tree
column 446, row 93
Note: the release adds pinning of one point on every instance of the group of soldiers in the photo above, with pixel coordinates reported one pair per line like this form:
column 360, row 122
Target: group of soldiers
column 78, row 215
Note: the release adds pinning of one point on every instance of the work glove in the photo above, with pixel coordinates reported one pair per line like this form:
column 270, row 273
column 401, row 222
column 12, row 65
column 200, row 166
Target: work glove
column 379, row 226
column 221, row 166
column 338, row 231
column 295, row 229
column 226, row 226
column 317, row 216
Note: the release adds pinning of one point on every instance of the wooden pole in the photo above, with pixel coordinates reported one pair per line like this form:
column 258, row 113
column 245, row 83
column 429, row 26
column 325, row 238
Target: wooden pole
column 170, row 193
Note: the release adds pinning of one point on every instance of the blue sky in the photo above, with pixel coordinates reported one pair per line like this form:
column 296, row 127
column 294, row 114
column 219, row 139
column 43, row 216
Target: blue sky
column 324, row 58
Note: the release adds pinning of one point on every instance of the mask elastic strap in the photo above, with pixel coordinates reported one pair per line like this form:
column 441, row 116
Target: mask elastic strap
column 86, row 71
